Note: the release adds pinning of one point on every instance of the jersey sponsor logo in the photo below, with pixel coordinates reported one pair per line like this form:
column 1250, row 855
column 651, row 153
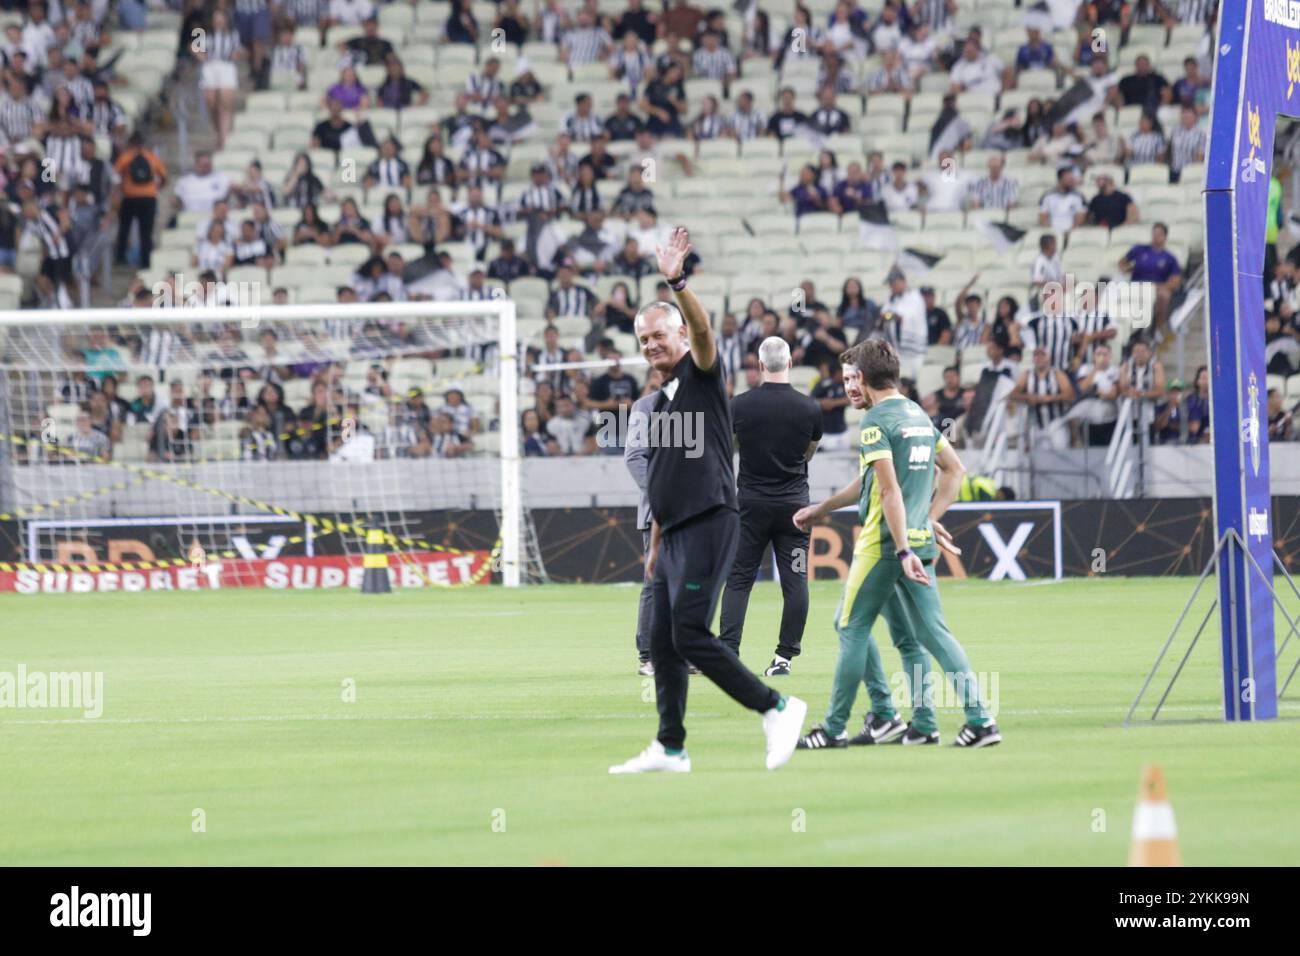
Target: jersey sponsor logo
column 924, row 431
column 920, row 455
column 870, row 435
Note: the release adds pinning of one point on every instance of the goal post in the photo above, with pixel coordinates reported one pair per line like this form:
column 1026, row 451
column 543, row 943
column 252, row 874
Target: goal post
column 234, row 435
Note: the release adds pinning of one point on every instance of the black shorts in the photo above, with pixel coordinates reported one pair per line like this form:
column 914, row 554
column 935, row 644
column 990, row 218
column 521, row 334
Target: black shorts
column 57, row 270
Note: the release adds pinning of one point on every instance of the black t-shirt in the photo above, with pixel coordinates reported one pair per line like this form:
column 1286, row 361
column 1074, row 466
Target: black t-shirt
column 622, row 127
column 694, row 474
column 637, row 21
column 774, row 425
column 328, row 135
column 938, row 321
column 1109, row 210
column 1142, row 90
column 832, row 420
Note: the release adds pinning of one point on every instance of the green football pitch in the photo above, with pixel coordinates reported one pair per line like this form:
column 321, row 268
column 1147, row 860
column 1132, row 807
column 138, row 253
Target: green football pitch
column 483, row 723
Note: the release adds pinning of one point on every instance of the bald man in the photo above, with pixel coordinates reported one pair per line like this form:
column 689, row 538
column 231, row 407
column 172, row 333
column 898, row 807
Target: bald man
column 777, row 429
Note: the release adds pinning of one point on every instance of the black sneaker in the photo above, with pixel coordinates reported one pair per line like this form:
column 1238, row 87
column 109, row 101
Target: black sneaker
column 818, row 739
column 914, row 737
column 972, row 736
column 778, row 668
column 879, row 730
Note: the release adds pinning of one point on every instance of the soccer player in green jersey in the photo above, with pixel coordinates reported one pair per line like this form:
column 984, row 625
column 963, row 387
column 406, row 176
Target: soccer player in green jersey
column 882, row 724
column 899, row 503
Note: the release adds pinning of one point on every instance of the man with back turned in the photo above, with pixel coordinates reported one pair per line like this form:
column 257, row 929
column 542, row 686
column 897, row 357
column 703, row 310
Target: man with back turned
column 691, row 487
column 778, row 430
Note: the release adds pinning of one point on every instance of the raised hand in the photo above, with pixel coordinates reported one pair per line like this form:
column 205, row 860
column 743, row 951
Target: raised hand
column 672, row 257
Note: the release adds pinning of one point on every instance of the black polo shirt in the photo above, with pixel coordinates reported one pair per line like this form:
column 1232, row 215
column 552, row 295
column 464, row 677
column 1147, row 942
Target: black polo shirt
column 687, row 478
column 774, row 424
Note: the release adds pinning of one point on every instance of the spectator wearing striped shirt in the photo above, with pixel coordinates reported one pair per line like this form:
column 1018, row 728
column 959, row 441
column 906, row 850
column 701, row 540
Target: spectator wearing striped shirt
column 55, row 277
column 482, row 88
column 581, row 123
column 996, row 190
column 1047, row 392
column 1186, row 144
column 586, row 43
column 288, row 62
column 828, row 119
column 709, row 124
column 893, row 76
column 1053, row 329
column 107, row 115
column 713, row 61
column 746, row 121
column 20, row 115
column 1146, row 144
column 389, row 171
column 631, row 62
column 568, row 298
column 482, row 223
column 481, row 165
column 219, row 79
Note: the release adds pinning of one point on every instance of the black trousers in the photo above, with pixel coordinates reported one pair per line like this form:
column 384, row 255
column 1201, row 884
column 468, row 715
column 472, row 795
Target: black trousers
column 694, row 561
column 141, row 209
column 761, row 524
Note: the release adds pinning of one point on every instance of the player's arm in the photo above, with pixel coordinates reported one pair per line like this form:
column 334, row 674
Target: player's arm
column 895, row 512
column 672, row 263
column 846, row 496
column 950, row 472
column 810, row 451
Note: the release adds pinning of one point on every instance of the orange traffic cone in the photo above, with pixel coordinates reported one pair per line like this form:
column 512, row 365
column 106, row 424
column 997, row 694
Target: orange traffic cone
column 1155, row 835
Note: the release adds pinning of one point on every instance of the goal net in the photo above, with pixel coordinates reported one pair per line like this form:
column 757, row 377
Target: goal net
column 268, row 446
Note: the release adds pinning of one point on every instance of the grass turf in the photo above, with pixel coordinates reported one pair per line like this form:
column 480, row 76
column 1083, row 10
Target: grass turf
column 485, row 720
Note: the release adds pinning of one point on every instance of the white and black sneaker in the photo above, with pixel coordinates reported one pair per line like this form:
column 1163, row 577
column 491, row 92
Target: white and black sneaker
column 972, row 736
column 654, row 759
column 914, row 737
column 692, row 669
column 879, row 730
column 646, row 669
column 779, row 667
column 819, row 739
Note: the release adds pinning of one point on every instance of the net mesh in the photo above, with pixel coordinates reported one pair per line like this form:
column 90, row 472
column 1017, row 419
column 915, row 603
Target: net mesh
column 219, row 446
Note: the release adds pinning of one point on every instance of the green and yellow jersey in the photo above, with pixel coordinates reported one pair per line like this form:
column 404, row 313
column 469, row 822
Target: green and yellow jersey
column 898, row 429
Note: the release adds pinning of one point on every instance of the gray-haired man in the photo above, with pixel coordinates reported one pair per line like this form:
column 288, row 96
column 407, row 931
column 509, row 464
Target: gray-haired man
column 778, row 430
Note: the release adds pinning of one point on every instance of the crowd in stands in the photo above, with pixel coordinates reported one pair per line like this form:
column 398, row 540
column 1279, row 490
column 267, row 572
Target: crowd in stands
column 552, row 147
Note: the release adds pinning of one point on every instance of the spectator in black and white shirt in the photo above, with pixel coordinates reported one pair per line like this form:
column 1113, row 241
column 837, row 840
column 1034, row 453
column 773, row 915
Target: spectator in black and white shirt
column 712, row 60
column 568, row 298
column 746, row 121
column 581, row 123
column 389, row 171
column 585, row 43
column 996, row 190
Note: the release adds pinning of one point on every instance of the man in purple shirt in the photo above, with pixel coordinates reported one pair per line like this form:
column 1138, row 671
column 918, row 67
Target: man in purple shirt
column 1154, row 263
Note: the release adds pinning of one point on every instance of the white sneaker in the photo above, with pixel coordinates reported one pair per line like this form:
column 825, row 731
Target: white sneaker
column 781, row 727
column 654, row 760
